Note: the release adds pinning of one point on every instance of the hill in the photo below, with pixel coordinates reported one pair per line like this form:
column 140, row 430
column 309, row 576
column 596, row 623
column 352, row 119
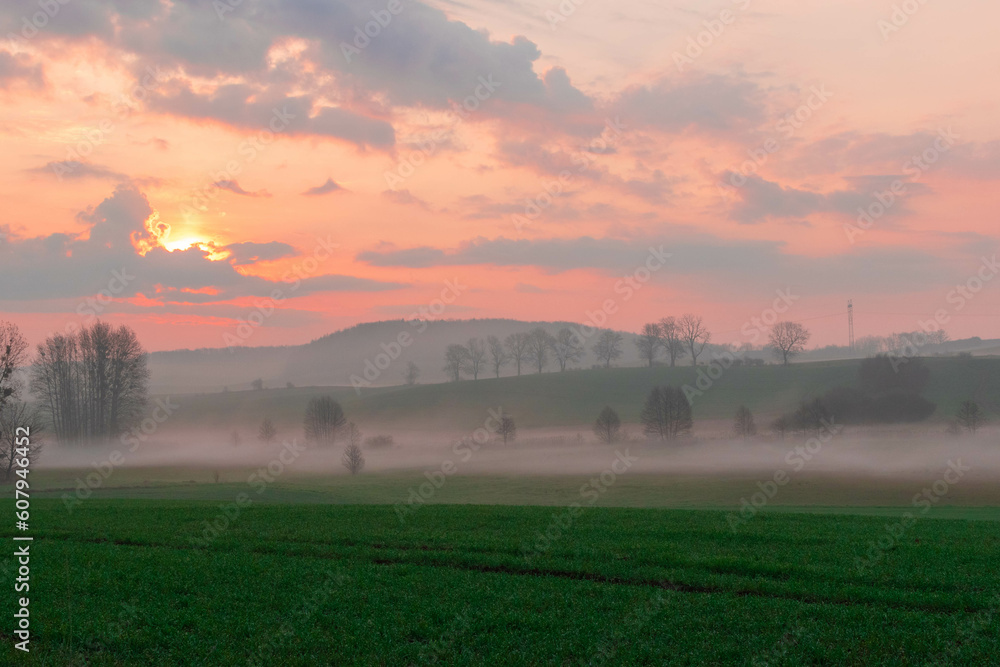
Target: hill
column 333, row 359
column 573, row 398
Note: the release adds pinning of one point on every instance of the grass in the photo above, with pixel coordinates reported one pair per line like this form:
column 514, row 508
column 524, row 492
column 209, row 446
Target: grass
column 574, row 398
column 808, row 492
column 121, row 582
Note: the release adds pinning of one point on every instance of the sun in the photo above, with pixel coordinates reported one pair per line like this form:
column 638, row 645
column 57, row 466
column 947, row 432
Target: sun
column 183, row 243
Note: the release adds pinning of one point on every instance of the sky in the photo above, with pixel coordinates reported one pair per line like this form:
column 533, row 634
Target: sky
column 264, row 172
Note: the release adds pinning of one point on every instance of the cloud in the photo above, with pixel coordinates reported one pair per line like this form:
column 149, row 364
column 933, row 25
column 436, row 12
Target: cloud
column 419, row 58
column 760, row 199
column 698, row 260
column 250, row 252
column 235, row 188
column 105, row 258
column 709, row 102
column 19, row 68
column 573, row 168
column 75, row 169
column 405, row 198
column 324, row 189
column 269, row 112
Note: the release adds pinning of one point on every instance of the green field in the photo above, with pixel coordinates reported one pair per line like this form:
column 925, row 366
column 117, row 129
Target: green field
column 121, row 582
column 574, row 398
column 813, row 492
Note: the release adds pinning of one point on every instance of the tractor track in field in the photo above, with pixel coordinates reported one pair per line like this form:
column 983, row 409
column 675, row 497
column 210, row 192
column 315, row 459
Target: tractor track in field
column 594, row 577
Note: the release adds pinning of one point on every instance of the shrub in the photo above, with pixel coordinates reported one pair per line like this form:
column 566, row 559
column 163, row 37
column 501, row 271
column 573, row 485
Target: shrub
column 376, row 441
column 608, row 426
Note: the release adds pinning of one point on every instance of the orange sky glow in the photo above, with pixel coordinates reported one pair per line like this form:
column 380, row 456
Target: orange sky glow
column 173, row 167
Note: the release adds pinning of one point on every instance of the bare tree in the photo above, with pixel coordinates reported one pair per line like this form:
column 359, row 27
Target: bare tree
column 257, row 385
column 694, row 334
column 666, row 414
column 13, row 354
column 743, row 424
column 970, row 416
column 475, row 357
column 517, row 345
column 499, row 356
column 608, row 347
column 506, row 429
column 781, row 426
column 412, row 373
column 267, row 432
column 354, row 435
column 454, row 361
column 788, row 339
column 670, row 333
column 608, row 426
column 649, row 343
column 540, row 342
column 353, row 459
column 93, row 384
column 16, row 443
column 324, row 418
column 567, row 348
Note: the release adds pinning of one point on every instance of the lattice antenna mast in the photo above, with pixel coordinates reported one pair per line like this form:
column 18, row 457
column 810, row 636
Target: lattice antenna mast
column 850, row 324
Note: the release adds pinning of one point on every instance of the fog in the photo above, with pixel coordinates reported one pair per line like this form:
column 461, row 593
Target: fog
column 891, row 452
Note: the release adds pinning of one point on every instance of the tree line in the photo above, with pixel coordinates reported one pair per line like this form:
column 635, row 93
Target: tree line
column 672, row 338
column 533, row 350
column 91, row 384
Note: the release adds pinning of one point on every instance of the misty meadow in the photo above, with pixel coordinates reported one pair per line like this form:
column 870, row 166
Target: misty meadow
column 413, row 332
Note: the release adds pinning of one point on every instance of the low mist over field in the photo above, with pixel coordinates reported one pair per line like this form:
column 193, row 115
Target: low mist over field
column 485, row 333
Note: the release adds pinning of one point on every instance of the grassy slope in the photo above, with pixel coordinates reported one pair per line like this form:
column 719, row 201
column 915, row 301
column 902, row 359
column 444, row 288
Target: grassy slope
column 574, row 398
column 128, row 583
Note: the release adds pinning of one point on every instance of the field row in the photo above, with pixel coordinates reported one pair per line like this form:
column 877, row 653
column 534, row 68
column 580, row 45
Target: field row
column 123, row 582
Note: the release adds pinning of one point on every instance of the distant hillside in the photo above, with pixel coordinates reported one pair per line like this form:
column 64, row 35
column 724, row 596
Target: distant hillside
column 574, row 398
column 333, row 359
column 975, row 346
